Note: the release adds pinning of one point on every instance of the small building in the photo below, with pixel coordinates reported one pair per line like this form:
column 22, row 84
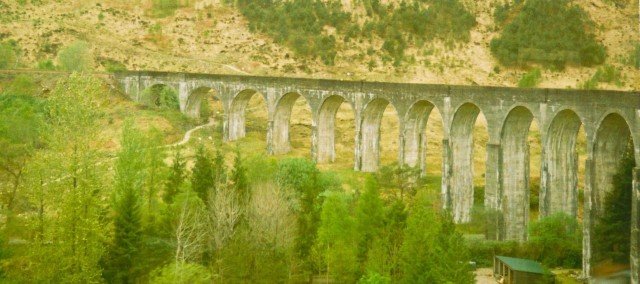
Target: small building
column 509, row 270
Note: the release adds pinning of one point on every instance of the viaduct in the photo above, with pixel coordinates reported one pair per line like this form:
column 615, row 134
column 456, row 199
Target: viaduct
column 609, row 118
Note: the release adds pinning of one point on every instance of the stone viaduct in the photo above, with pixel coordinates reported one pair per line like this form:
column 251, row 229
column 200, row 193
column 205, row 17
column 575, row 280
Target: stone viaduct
column 609, row 119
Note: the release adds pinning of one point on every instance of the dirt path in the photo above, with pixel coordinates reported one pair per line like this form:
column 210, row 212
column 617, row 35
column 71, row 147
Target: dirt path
column 187, row 135
column 484, row 276
column 185, row 139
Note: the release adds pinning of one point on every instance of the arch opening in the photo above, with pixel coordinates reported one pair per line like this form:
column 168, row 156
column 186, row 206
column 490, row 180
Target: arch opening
column 335, row 128
column 516, row 177
column 561, row 182
column 611, row 195
column 160, row 96
column 376, row 131
column 203, row 103
column 415, row 137
column 468, row 137
column 292, row 107
column 242, row 122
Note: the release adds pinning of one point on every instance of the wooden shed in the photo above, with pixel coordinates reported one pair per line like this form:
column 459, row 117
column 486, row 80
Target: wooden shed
column 509, row 270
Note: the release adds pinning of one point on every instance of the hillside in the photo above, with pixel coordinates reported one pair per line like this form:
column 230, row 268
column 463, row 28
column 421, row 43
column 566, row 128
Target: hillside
column 209, row 36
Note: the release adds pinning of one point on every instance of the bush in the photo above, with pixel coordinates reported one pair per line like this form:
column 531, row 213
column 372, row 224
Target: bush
column 161, row 96
column 46, row 64
column 164, row 8
column 7, row 56
column 22, row 85
column 530, row 79
column 549, row 32
column 604, row 74
column 76, row 57
column 556, row 240
column 181, row 273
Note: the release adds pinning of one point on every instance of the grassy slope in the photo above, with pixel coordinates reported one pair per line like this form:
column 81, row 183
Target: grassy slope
column 194, row 42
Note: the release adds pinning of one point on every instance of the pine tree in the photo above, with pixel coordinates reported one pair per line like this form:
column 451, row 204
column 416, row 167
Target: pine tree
column 239, row 180
column 337, row 239
column 452, row 262
column 176, row 177
column 127, row 201
column 433, row 252
column 369, row 216
column 420, row 234
column 219, row 170
column 202, row 179
column 611, row 238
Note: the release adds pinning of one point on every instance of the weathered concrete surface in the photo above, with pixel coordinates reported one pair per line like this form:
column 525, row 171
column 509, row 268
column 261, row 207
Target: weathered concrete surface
column 608, row 117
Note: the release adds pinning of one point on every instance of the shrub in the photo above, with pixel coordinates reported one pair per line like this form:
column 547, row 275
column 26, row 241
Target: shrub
column 7, row 56
column 556, row 240
column 551, row 32
column 46, row 64
column 161, row 96
column 76, row 57
column 181, row 273
column 530, row 79
column 164, row 8
column 604, row 74
column 22, row 85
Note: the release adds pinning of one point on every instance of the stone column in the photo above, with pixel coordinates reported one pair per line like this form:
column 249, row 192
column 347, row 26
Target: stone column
column 422, row 154
column 635, row 228
column 357, row 163
column 270, row 144
column 447, row 168
column 314, row 136
column 493, row 192
column 588, row 218
column 543, row 203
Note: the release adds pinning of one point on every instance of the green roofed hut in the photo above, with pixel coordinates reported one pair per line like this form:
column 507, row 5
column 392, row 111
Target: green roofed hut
column 509, row 270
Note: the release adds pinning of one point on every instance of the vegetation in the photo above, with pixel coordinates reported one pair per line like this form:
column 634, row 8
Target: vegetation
column 611, row 236
column 301, row 24
column 77, row 57
column 604, row 74
column 160, row 96
column 552, row 33
column 530, row 79
column 8, row 57
column 215, row 214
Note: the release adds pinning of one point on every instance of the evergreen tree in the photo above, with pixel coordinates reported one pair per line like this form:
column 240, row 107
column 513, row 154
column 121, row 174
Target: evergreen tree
column 433, row 252
column 337, row 239
column 370, row 216
column 176, row 178
column 302, row 176
column 612, row 233
column 202, row 181
column 417, row 253
column 219, row 170
column 239, row 180
column 452, row 261
column 127, row 201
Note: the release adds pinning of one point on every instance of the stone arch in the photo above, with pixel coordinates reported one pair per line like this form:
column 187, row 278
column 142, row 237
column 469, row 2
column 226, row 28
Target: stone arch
column 462, row 173
column 414, row 135
column 281, row 123
column 236, row 118
column 326, row 124
column 611, row 140
column 559, row 192
column 515, row 172
column 194, row 101
column 370, row 134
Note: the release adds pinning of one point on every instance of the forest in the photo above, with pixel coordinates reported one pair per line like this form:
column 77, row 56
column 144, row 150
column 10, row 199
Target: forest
column 149, row 212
